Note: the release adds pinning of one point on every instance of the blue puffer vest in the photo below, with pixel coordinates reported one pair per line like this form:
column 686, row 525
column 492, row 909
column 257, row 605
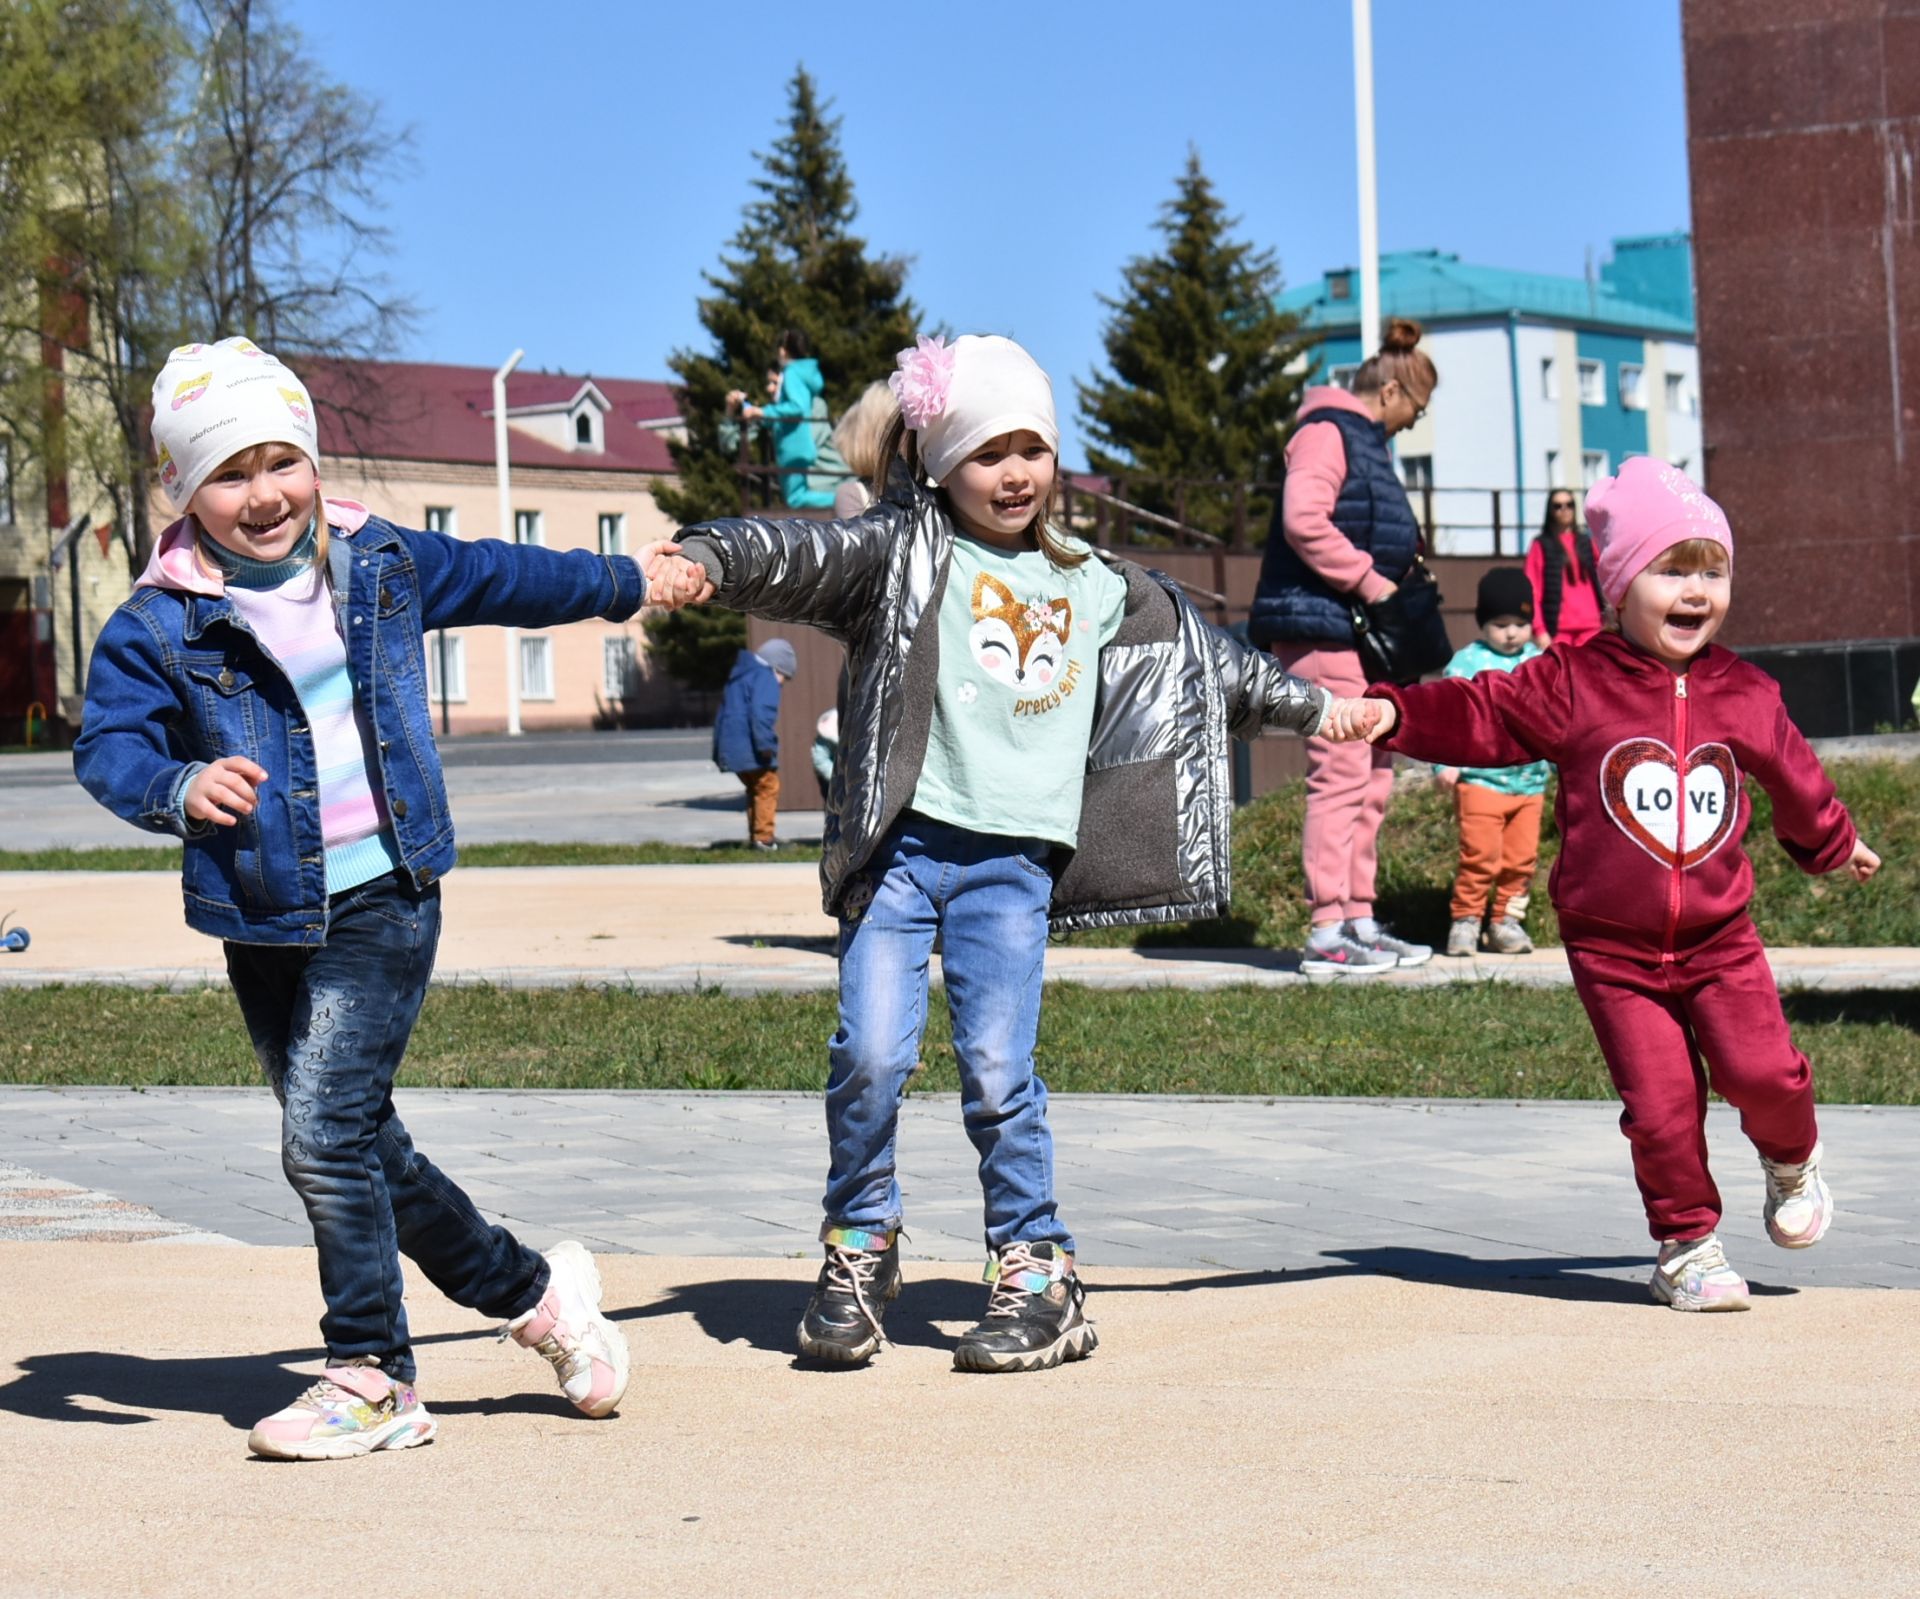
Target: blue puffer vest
column 1293, row 605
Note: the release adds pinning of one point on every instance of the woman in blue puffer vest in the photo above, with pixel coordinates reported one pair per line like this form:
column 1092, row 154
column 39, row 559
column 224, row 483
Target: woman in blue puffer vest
column 1343, row 531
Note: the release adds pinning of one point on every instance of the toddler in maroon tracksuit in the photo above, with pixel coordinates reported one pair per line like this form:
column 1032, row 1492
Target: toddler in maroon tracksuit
column 1653, row 730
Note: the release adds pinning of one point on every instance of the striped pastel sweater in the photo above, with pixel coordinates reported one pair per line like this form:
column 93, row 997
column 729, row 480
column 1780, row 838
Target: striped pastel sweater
column 290, row 610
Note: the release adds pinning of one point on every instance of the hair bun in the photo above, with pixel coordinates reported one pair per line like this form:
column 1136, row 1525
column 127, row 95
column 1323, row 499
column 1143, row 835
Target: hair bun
column 1401, row 335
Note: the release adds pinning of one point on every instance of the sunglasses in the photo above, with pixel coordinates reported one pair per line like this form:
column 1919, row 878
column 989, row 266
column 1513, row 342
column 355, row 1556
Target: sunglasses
column 1560, row 505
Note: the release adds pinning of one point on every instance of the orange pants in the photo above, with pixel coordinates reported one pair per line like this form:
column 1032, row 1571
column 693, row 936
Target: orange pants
column 763, row 800
column 1499, row 846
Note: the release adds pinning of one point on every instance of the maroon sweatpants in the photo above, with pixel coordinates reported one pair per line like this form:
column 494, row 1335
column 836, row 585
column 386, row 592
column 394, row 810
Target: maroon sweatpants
column 1668, row 1031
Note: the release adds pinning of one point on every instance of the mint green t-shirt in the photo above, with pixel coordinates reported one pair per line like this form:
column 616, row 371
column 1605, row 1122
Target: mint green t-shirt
column 1013, row 712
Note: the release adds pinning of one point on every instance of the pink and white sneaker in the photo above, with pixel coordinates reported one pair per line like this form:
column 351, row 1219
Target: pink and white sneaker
column 1799, row 1207
column 1693, row 1274
column 351, row 1410
column 587, row 1352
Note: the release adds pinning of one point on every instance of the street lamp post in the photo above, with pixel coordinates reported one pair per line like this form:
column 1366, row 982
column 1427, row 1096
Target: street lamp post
column 506, row 526
column 1369, row 202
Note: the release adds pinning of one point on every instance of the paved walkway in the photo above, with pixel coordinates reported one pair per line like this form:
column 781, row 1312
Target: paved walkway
column 745, row 928
column 1433, row 1191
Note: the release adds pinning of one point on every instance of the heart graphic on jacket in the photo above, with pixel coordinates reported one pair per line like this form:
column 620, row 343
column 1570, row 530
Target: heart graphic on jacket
column 1642, row 788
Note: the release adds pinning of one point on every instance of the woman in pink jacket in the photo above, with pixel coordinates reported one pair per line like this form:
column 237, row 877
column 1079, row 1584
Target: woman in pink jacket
column 1344, row 531
column 1565, row 578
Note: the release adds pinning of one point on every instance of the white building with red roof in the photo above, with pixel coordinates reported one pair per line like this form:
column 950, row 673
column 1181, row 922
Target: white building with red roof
column 414, row 443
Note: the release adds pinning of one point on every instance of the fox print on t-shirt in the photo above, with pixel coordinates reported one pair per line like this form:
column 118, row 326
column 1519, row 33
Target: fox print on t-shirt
column 1022, row 643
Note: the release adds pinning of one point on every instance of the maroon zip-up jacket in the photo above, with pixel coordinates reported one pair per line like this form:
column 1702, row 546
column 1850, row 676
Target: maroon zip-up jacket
column 1651, row 864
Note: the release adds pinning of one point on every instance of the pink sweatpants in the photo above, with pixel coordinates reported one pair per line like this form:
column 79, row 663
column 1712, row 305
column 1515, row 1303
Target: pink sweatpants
column 1668, row 1030
column 1347, row 789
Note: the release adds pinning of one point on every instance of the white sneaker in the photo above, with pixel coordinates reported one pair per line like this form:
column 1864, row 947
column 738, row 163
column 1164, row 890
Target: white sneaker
column 1799, row 1206
column 1508, row 937
column 587, row 1352
column 1344, row 956
column 1403, row 951
column 1463, row 938
column 1693, row 1274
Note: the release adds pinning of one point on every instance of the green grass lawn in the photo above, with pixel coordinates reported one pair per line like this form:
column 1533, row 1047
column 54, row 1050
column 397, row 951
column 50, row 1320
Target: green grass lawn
column 1417, row 856
column 1466, row 1040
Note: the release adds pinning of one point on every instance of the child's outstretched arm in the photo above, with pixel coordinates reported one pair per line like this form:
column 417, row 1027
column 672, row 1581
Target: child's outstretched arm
column 1812, row 825
column 794, row 569
column 1495, row 719
column 1261, row 693
column 488, row 582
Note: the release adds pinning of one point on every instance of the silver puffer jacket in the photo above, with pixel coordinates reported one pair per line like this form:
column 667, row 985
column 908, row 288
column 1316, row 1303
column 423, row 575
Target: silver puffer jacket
column 1156, row 819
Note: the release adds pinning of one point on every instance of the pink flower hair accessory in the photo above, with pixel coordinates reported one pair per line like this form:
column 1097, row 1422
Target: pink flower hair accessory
column 923, row 383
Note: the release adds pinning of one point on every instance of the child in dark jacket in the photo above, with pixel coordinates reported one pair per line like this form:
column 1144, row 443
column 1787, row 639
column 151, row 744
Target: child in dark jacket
column 745, row 737
column 1653, row 730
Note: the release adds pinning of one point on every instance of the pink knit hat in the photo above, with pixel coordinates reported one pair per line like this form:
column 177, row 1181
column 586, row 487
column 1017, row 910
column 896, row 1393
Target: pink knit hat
column 1648, row 508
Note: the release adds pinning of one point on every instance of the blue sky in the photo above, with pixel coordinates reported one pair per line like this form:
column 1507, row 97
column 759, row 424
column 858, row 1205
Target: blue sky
column 578, row 165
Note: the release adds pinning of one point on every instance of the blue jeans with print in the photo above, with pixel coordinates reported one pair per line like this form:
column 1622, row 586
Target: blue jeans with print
column 330, row 1024
column 986, row 898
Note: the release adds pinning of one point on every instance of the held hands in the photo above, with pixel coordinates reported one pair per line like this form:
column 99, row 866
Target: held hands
column 672, row 579
column 225, row 790
column 1349, row 721
column 1863, row 863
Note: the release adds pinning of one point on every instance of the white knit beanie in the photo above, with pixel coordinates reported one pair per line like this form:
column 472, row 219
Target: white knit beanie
column 211, row 401
column 957, row 396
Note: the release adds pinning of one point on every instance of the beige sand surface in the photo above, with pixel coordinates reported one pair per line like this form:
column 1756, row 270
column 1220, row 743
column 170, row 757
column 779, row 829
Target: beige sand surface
column 1231, row 1436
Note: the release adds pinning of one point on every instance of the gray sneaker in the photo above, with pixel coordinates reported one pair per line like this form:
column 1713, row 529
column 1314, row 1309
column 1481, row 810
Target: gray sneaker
column 1344, row 956
column 1508, row 937
column 1383, row 942
column 1463, row 938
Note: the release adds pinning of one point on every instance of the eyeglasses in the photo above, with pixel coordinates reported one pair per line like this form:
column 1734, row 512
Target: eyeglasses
column 1560, row 505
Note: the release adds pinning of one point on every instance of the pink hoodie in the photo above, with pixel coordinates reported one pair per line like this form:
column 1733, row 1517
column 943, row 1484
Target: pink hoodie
column 173, row 566
column 1316, row 467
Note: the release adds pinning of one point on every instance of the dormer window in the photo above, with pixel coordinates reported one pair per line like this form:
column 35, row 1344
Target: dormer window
column 583, row 429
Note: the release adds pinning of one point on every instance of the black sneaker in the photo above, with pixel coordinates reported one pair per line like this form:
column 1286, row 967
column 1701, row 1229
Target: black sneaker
column 1036, row 1315
column 860, row 1279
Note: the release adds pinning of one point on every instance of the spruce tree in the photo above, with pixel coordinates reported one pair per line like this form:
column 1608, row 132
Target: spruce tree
column 795, row 263
column 1200, row 384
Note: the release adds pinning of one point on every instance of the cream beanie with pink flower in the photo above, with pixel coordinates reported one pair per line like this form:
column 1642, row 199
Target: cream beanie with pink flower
column 957, row 396
column 212, row 401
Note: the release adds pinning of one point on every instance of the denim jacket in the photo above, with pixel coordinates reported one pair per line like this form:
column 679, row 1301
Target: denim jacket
column 177, row 678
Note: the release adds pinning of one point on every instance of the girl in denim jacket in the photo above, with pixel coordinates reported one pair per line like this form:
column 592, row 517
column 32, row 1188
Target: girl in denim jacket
column 1031, row 734
column 263, row 696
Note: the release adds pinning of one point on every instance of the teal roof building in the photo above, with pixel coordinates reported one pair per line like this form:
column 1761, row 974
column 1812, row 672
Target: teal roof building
column 1546, row 381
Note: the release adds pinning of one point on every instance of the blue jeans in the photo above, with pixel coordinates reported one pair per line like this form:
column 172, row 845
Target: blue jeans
column 330, row 1024
column 986, row 897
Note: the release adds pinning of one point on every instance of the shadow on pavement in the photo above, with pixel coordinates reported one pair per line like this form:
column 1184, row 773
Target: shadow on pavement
column 821, row 944
column 1542, row 1277
column 240, row 1389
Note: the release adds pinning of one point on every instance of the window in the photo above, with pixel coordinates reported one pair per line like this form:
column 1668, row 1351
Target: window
column 1553, row 469
column 6, row 479
column 440, row 519
column 1549, row 379
column 1633, row 387
column 1339, row 285
column 1416, row 471
column 536, row 668
column 619, row 666
column 528, row 528
column 583, row 429
column 1593, row 383
column 1593, row 466
column 613, row 533
column 1341, row 377
column 1676, row 391
column 456, row 658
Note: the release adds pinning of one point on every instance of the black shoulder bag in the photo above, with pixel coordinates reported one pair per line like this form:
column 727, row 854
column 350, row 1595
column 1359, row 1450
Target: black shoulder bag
column 1404, row 636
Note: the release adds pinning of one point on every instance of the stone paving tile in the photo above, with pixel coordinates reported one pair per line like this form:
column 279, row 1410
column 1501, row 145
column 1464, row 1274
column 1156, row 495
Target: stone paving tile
column 1434, row 1188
